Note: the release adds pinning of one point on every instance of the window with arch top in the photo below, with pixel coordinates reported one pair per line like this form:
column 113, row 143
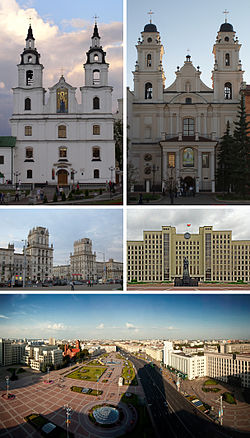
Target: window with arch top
column 228, row 91
column 148, row 90
column 149, row 60
column 227, row 59
column 96, row 103
column 96, row 77
column 188, row 127
column 96, row 173
column 27, row 104
column 96, row 57
column 29, row 78
column 96, row 153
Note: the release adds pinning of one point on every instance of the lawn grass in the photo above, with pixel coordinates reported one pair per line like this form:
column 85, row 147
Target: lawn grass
column 90, row 392
column 38, row 421
column 228, row 397
column 90, row 373
column 210, row 382
column 128, row 374
column 210, row 389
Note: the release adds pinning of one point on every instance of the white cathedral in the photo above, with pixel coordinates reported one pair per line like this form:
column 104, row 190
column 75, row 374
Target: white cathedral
column 60, row 140
column 174, row 131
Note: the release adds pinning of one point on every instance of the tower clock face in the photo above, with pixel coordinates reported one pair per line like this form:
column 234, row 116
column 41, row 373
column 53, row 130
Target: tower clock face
column 187, row 235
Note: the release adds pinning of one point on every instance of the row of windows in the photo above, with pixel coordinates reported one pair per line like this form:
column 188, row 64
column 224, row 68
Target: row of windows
column 62, row 151
column 62, row 131
column 96, row 174
column 27, row 103
column 227, row 92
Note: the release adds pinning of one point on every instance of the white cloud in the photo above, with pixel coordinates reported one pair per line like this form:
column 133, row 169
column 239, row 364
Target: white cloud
column 100, row 326
column 4, row 317
column 56, row 326
column 2, row 85
column 130, row 326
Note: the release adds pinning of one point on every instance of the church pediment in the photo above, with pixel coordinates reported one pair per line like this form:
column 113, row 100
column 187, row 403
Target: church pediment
column 188, row 98
column 62, row 84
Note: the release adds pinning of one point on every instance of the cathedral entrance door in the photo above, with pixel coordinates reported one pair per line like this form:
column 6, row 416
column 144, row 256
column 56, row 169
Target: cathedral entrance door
column 189, row 181
column 62, row 177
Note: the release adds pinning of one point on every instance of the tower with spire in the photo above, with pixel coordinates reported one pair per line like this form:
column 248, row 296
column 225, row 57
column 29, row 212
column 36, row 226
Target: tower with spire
column 29, row 94
column 227, row 74
column 61, row 141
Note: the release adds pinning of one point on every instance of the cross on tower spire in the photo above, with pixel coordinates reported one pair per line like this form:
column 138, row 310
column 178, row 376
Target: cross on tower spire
column 225, row 12
column 95, row 18
column 150, row 13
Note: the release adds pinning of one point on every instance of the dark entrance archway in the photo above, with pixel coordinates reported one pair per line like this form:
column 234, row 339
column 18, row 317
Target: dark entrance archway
column 62, row 177
column 189, row 182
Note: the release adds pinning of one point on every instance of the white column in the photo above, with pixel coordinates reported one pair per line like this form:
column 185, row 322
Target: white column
column 199, row 181
column 164, row 165
column 212, row 176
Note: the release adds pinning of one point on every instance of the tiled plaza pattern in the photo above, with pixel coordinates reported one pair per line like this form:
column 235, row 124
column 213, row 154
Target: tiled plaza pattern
column 33, row 395
column 235, row 416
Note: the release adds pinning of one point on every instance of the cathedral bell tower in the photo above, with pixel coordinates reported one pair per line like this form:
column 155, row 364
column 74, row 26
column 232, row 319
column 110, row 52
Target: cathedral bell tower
column 29, row 94
column 149, row 78
column 96, row 94
column 227, row 74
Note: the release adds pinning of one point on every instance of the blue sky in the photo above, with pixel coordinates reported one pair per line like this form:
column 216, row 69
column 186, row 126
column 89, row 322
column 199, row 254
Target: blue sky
column 125, row 316
column 189, row 25
column 62, row 31
column 102, row 226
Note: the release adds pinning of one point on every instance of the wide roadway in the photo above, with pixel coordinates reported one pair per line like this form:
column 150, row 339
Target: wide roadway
column 173, row 415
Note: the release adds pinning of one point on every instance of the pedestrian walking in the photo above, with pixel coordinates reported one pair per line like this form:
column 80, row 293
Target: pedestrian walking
column 72, row 285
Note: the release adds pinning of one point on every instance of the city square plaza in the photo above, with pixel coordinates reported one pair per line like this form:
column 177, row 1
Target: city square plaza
column 35, row 392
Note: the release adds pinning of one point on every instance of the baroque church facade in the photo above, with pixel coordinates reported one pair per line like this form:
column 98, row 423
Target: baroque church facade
column 60, row 141
column 174, row 131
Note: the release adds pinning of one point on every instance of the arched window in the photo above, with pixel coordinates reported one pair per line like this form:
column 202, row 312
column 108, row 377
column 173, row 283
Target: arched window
column 29, row 59
column 228, row 91
column 62, row 133
column 148, row 90
column 227, row 59
column 188, row 127
column 96, row 57
column 149, row 60
column 29, row 152
column 96, row 103
column 27, row 104
column 188, row 100
column 29, row 78
column 96, row 153
column 96, row 129
column 96, row 77
column 96, row 173
column 29, row 173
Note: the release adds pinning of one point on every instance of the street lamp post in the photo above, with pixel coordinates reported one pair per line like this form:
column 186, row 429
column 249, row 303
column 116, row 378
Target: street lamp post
column 48, row 374
column 154, row 169
column 68, row 410
column 7, row 385
column 104, row 265
column 17, row 174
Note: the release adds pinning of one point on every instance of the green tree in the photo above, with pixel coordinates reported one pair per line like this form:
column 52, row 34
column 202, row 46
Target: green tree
column 242, row 151
column 225, row 174
column 118, row 136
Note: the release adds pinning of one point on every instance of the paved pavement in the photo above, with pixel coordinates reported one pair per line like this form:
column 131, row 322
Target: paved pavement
column 95, row 287
column 201, row 288
column 33, row 394
column 105, row 197
column 198, row 199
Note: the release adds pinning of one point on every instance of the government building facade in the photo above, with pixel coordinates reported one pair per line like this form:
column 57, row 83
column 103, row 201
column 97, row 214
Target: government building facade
column 212, row 256
column 58, row 140
column 174, row 131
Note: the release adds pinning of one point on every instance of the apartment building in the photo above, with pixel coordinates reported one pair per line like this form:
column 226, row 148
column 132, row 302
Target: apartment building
column 229, row 368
